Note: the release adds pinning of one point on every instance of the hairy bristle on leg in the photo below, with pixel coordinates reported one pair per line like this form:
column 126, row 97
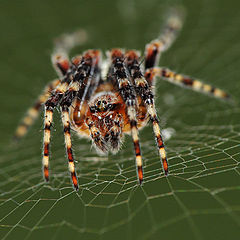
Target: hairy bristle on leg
column 68, row 144
column 129, row 96
column 144, row 91
column 185, row 81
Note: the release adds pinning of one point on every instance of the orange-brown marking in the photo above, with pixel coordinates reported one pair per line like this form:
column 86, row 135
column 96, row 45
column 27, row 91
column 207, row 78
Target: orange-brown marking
column 116, row 53
column 46, row 173
column 70, row 156
column 64, row 64
column 46, row 149
column 74, row 180
column 165, row 166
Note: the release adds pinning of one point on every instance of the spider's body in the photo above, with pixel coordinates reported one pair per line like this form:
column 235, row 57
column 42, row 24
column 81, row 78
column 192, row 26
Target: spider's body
column 103, row 100
column 103, row 116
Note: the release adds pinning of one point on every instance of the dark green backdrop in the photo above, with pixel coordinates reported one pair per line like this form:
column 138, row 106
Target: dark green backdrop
column 200, row 198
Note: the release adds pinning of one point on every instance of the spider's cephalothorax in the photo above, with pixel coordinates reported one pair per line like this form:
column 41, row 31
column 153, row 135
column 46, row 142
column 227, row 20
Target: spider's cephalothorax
column 103, row 100
column 106, row 115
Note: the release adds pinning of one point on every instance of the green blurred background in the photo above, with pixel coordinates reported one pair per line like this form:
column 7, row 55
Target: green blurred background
column 200, row 198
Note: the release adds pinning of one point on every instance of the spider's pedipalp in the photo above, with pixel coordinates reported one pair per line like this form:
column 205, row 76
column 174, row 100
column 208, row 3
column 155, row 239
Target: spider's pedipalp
column 185, row 81
column 154, row 49
column 97, row 138
column 128, row 94
column 145, row 93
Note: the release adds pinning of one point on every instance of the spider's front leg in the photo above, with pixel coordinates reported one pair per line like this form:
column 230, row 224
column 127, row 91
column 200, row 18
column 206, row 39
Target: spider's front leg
column 184, row 81
column 50, row 104
column 81, row 81
column 121, row 79
column 144, row 91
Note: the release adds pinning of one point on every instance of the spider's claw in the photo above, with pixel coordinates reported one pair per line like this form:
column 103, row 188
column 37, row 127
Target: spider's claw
column 74, row 180
column 165, row 167
column 140, row 174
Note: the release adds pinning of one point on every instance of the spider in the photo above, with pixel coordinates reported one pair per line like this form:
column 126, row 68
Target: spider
column 105, row 99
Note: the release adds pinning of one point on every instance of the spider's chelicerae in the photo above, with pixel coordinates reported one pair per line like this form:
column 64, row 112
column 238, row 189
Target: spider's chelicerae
column 105, row 99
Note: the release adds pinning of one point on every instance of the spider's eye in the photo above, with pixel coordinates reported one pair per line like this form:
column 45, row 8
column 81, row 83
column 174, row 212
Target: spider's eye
column 99, row 103
column 113, row 106
column 92, row 109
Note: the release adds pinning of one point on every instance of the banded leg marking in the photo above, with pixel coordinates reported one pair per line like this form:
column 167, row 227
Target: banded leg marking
column 144, row 91
column 128, row 94
column 33, row 112
column 164, row 41
column 185, row 81
column 136, row 143
column 50, row 104
column 68, row 144
column 156, row 128
column 46, row 141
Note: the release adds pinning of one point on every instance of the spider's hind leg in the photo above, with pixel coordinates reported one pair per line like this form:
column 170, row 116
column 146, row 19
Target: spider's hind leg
column 33, row 111
column 154, row 49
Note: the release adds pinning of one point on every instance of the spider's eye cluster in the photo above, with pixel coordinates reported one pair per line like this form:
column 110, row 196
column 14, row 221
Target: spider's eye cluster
column 102, row 106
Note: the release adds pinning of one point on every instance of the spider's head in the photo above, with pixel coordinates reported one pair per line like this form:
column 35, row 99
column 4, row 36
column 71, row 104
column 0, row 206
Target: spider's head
column 106, row 122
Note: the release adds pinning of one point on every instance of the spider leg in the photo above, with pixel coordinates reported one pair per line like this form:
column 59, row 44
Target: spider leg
column 50, row 104
column 144, row 91
column 185, row 81
column 154, row 49
column 61, row 64
column 65, row 70
column 81, row 78
column 122, row 78
column 68, row 143
column 63, row 45
column 33, row 111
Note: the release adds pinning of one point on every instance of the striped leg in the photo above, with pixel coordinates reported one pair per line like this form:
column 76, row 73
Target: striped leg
column 185, row 81
column 81, row 80
column 144, row 91
column 165, row 40
column 50, row 104
column 134, row 131
column 65, row 70
column 68, row 144
column 33, row 112
column 129, row 96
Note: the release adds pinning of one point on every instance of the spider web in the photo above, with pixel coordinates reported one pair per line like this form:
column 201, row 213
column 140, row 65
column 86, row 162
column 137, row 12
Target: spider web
column 199, row 199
